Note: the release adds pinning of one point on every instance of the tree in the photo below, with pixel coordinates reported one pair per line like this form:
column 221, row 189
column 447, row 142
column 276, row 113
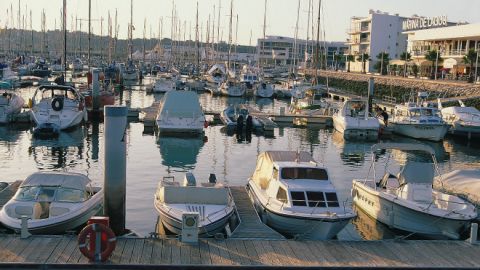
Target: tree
column 471, row 58
column 338, row 59
column 382, row 63
column 349, row 58
column 415, row 69
column 433, row 56
column 363, row 58
column 406, row 57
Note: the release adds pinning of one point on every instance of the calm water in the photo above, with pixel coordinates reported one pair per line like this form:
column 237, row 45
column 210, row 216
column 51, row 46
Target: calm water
column 150, row 158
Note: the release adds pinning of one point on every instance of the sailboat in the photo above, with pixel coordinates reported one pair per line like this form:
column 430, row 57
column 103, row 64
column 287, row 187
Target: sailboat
column 130, row 72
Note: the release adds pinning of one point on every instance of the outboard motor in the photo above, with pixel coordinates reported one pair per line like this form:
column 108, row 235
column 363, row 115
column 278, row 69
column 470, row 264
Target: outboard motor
column 189, row 180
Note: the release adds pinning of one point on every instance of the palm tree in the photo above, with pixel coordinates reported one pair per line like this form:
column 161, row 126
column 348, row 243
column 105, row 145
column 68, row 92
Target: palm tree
column 383, row 60
column 349, row 58
column 363, row 58
column 470, row 58
column 338, row 59
column 433, row 56
column 407, row 57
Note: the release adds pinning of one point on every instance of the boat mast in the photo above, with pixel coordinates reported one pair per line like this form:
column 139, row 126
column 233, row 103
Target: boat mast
column 130, row 45
column 31, row 30
column 317, row 46
column 89, row 31
column 308, row 31
column 295, row 45
column 144, row 33
column 213, row 34
column 264, row 33
column 65, row 39
column 230, row 36
column 197, row 45
column 218, row 27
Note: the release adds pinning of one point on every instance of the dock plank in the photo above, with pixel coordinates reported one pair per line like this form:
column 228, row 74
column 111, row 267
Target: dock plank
column 137, row 251
column 147, row 251
column 117, row 253
column 204, row 252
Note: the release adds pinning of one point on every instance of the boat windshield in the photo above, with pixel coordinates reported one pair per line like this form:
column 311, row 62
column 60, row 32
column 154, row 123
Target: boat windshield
column 304, row 173
column 50, row 194
column 417, row 112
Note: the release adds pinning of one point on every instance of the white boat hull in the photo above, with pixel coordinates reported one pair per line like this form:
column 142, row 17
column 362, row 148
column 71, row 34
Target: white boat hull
column 403, row 218
column 430, row 132
column 233, row 91
column 355, row 128
column 63, row 119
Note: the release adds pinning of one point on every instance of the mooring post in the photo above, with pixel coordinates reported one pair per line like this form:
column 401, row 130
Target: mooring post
column 473, row 233
column 115, row 163
column 95, row 89
column 371, row 87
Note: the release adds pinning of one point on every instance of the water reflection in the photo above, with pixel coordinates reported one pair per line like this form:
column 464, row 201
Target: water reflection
column 351, row 153
column 179, row 154
column 369, row 228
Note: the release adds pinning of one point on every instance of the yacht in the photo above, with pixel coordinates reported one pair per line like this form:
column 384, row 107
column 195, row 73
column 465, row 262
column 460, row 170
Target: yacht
column 180, row 112
column 463, row 120
column 10, row 104
column 295, row 196
column 406, row 201
column 232, row 89
column 354, row 121
column 53, row 202
column 213, row 203
column 264, row 90
column 55, row 105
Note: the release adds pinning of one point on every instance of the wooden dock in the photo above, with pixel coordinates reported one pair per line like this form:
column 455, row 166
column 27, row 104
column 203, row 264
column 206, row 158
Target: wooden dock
column 61, row 252
column 250, row 227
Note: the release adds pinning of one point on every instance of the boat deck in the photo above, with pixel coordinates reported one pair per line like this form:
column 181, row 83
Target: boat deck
column 57, row 252
column 250, row 227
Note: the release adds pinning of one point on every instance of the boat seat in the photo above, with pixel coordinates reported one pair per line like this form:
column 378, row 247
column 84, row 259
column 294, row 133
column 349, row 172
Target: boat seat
column 58, row 211
column 21, row 210
column 193, row 195
column 40, row 210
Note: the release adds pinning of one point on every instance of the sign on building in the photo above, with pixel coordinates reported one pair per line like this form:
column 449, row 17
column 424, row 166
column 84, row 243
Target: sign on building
column 424, row 23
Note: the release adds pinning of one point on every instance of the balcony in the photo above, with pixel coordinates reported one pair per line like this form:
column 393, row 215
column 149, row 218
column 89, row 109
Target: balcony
column 443, row 53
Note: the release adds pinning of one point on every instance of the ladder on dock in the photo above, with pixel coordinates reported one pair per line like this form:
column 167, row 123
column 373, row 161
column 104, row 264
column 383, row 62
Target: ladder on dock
column 250, row 227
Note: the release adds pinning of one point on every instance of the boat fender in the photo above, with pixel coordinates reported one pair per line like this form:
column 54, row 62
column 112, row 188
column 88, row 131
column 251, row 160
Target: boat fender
column 91, row 230
column 57, row 104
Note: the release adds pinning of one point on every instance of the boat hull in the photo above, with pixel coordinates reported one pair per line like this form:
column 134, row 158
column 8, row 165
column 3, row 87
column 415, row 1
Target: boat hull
column 356, row 130
column 421, row 131
column 403, row 218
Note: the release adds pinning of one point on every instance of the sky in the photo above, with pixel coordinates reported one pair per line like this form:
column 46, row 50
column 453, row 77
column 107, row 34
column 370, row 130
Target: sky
column 281, row 15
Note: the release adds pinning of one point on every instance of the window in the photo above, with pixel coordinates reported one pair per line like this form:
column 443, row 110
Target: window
column 298, row 198
column 70, row 195
column 332, row 199
column 282, row 195
column 46, row 194
column 316, row 199
column 304, row 173
column 27, row 194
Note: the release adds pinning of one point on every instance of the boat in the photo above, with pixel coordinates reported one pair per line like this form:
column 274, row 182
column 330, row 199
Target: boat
column 230, row 115
column 41, row 68
column 294, row 195
column 76, row 65
column 406, row 200
column 163, row 85
column 53, row 202
column 130, row 73
column 213, row 203
column 464, row 183
column 264, row 90
column 416, row 120
column 463, row 120
column 10, row 104
column 232, row 89
column 180, row 113
column 312, row 98
column 354, row 121
column 57, row 105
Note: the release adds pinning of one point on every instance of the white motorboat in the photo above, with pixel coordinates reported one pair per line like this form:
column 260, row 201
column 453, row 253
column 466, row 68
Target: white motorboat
column 213, row 203
column 59, row 106
column 264, row 90
column 463, row 120
column 229, row 116
column 216, row 74
column 232, row 89
column 54, row 202
column 10, row 104
column 354, row 121
column 406, row 200
column 180, row 112
column 163, row 85
column 295, row 196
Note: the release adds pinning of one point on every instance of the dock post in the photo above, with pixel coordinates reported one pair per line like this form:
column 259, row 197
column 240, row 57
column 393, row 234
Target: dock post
column 115, row 163
column 24, row 233
column 95, row 89
column 371, row 91
column 473, row 233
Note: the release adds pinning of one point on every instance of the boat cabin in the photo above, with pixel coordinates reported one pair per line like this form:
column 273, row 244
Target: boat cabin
column 354, row 108
column 418, row 114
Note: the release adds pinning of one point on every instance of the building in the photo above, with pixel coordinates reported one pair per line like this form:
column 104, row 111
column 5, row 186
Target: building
column 452, row 43
column 277, row 50
column 378, row 32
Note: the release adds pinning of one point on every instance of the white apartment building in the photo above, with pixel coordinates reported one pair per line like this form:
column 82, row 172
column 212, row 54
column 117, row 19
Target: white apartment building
column 378, row 32
column 278, row 50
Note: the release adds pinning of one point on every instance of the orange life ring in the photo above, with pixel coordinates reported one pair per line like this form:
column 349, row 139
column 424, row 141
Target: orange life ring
column 91, row 230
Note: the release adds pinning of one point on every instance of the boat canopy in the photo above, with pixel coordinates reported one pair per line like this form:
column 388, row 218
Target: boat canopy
column 57, row 179
column 416, row 173
column 404, row 147
column 181, row 104
column 265, row 164
column 464, row 183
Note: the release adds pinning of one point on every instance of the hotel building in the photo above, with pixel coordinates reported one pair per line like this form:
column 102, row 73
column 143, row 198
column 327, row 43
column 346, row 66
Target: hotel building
column 277, row 50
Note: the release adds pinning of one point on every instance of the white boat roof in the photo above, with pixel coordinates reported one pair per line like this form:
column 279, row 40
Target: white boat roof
column 404, row 147
column 181, row 104
column 285, row 156
column 288, row 164
column 59, row 179
column 465, row 183
column 458, row 109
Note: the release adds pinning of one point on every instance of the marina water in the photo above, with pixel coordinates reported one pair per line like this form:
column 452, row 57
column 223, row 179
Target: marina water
column 150, row 157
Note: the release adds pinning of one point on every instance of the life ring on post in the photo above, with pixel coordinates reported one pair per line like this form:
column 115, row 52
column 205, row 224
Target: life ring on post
column 57, row 104
column 105, row 251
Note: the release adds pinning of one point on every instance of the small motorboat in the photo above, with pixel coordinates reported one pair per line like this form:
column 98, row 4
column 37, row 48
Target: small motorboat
column 62, row 106
column 10, row 104
column 213, row 203
column 354, row 121
column 54, row 202
column 295, row 196
column 264, row 90
column 229, row 116
column 406, row 200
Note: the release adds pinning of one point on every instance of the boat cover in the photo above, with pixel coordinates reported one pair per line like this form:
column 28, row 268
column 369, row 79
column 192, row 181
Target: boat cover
column 464, row 183
column 266, row 160
column 60, row 179
column 417, row 173
column 181, row 104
